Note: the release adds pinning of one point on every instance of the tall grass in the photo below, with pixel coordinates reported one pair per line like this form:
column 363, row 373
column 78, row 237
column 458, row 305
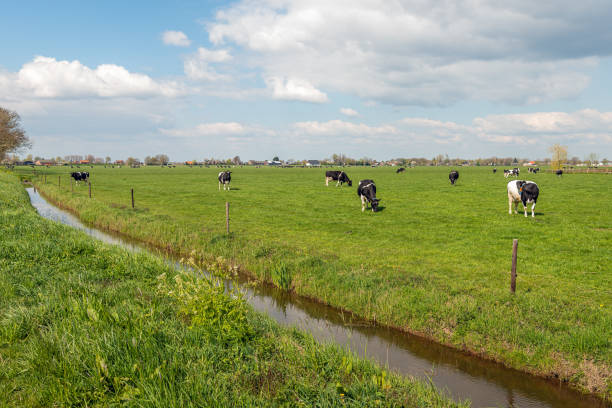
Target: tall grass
column 87, row 324
column 435, row 261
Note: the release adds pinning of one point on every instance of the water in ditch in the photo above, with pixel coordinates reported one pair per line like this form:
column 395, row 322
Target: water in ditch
column 484, row 383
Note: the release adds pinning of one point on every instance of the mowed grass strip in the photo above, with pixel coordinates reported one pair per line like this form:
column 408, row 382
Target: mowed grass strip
column 434, row 261
column 83, row 323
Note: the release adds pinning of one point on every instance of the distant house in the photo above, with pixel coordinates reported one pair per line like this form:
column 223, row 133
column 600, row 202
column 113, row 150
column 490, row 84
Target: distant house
column 119, row 162
column 313, row 163
column 44, row 163
column 84, row 162
column 273, row 163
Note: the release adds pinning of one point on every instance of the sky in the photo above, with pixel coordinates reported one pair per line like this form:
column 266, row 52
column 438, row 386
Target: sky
column 304, row 79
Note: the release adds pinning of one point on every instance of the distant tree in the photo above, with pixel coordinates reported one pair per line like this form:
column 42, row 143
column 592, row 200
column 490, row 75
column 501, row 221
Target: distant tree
column 592, row 158
column 131, row 161
column 29, row 158
column 275, row 158
column 559, row 155
column 236, row 160
column 12, row 136
column 107, row 159
column 605, row 161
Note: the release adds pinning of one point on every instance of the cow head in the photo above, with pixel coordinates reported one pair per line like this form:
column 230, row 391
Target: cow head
column 374, row 204
column 350, row 183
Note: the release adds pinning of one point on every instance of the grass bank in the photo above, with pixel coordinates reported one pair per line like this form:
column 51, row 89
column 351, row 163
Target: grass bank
column 83, row 323
column 435, row 261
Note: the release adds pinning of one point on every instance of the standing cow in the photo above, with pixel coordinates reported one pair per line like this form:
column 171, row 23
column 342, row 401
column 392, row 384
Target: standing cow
column 559, row 173
column 401, row 169
column 224, row 178
column 494, row 170
column 522, row 191
column 339, row 176
column 367, row 192
column 453, row 176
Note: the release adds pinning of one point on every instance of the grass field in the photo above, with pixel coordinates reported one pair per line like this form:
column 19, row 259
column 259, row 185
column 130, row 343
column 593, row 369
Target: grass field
column 88, row 324
column 434, row 261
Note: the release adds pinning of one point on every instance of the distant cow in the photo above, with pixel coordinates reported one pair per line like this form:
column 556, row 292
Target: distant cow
column 513, row 172
column 559, row 173
column 224, row 178
column 522, row 191
column 339, row 176
column 533, row 170
column 401, row 169
column 367, row 192
column 453, row 176
column 80, row 176
column 494, row 170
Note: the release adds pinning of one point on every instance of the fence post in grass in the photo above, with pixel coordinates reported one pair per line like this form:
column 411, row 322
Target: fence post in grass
column 227, row 216
column 132, row 199
column 90, row 189
column 513, row 273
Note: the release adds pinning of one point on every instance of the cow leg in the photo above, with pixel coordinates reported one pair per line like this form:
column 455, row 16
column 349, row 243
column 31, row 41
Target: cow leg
column 220, row 186
column 533, row 210
column 363, row 204
column 510, row 200
column 525, row 208
column 326, row 181
column 228, row 187
column 337, row 183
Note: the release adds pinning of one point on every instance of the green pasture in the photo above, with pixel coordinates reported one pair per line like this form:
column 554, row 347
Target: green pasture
column 435, row 261
column 87, row 324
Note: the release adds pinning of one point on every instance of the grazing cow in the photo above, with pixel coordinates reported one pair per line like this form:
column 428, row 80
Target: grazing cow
column 401, row 169
column 559, row 173
column 522, row 191
column 80, row 176
column 224, row 178
column 453, row 176
column 339, row 176
column 367, row 192
column 494, row 170
column 513, row 172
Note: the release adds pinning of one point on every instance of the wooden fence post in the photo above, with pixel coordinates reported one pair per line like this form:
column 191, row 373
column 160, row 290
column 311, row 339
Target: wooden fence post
column 513, row 273
column 89, row 189
column 132, row 199
column 227, row 216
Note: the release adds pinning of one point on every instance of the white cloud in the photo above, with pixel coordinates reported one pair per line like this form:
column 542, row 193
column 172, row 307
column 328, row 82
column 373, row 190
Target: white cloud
column 46, row 77
column 349, row 112
column 410, row 52
column 293, row 89
column 197, row 65
column 339, row 127
column 208, row 129
column 177, row 38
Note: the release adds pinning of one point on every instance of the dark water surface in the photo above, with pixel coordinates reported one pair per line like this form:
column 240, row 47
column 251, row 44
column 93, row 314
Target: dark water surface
column 485, row 383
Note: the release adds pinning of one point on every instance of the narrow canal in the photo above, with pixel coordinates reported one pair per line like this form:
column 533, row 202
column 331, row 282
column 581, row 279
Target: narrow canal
column 485, row 383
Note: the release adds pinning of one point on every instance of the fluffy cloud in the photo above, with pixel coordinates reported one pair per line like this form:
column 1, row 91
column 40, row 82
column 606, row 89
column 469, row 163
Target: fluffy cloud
column 208, row 129
column 293, row 89
column 197, row 65
column 349, row 112
column 46, row 77
column 410, row 52
column 341, row 128
column 177, row 38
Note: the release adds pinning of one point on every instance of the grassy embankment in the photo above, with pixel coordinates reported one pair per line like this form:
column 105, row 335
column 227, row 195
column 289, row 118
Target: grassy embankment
column 87, row 324
column 435, row 261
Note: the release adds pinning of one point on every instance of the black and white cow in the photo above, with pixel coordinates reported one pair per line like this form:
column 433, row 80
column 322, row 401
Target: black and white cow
column 513, row 172
column 80, row 176
column 401, row 169
column 367, row 192
column 494, row 170
column 559, row 173
column 339, row 176
column 224, row 178
column 522, row 191
column 453, row 176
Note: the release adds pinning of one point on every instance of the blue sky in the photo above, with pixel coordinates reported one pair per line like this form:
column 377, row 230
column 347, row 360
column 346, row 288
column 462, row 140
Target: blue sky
column 306, row 79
